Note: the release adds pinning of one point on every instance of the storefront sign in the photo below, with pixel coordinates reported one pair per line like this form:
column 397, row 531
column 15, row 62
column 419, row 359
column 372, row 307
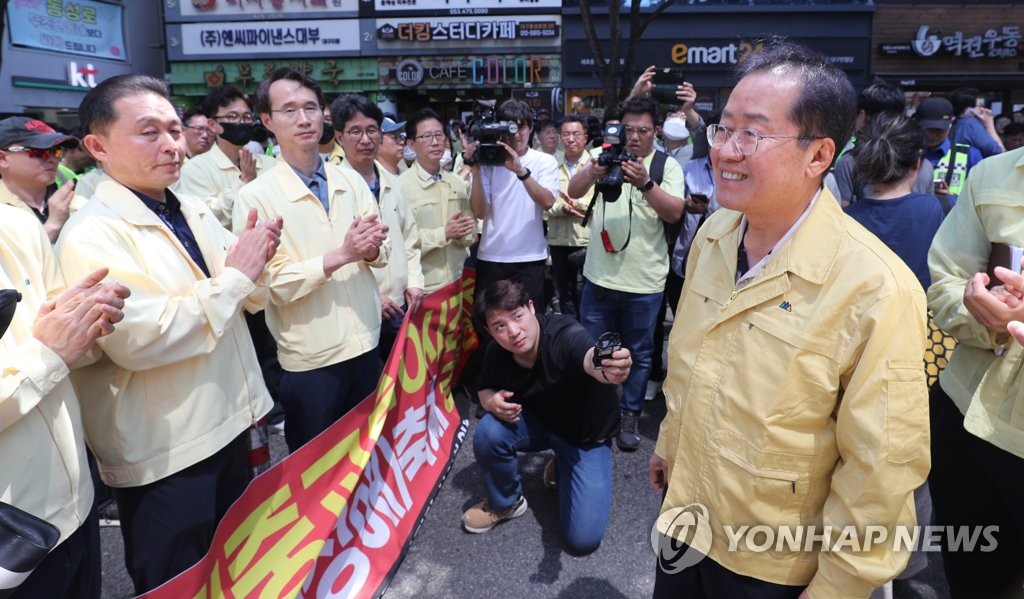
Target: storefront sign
column 448, row 33
column 82, row 76
column 249, row 10
column 271, row 39
column 81, row 27
column 1004, row 42
column 334, row 74
column 465, row 7
column 471, row 71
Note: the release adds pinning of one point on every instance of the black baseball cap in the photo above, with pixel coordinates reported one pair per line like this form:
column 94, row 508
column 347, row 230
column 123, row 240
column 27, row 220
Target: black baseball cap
column 32, row 133
column 934, row 113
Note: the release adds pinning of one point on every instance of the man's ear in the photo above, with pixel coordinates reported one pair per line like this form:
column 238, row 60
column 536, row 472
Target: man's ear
column 529, row 304
column 96, row 146
column 823, row 151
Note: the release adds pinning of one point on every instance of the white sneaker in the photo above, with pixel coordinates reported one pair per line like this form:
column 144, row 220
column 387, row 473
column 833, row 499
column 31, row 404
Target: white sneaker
column 653, row 388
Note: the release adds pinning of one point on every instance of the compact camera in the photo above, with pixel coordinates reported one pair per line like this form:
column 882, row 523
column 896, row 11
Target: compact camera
column 607, row 344
column 9, row 299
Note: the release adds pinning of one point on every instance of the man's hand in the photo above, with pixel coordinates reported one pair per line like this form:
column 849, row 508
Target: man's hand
column 413, row 299
column 72, row 322
column 696, row 204
column 247, row 165
column 511, row 159
column 615, row 370
column 59, row 207
column 635, row 173
column 686, row 95
column 657, row 473
column 388, row 308
column 643, row 83
column 255, row 246
column 497, row 403
column 571, row 207
column 995, row 308
column 459, row 226
column 364, row 238
column 941, row 188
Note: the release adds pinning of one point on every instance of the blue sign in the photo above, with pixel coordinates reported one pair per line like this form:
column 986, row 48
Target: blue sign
column 83, row 27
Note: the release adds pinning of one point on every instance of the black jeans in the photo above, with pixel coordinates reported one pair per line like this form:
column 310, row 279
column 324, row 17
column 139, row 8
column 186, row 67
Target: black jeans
column 707, row 579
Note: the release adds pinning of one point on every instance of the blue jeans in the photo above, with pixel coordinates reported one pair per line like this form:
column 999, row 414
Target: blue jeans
column 633, row 316
column 584, row 475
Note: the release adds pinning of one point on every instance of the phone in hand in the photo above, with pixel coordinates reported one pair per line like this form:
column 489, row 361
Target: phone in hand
column 666, row 81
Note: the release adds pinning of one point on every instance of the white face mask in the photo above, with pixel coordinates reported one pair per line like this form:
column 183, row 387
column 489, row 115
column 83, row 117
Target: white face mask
column 408, row 153
column 446, row 158
column 675, row 129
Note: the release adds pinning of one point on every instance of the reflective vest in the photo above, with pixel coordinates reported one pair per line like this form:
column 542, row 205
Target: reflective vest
column 959, row 174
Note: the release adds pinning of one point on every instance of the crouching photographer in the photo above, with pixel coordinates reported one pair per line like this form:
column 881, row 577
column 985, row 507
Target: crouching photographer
column 624, row 275
column 542, row 389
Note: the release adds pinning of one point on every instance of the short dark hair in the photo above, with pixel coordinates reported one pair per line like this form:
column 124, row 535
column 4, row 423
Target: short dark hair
column 572, row 118
column 190, row 114
column 517, row 111
column 826, row 106
column 888, row 148
column 421, row 115
column 641, row 105
column 222, row 96
column 505, row 294
column 346, row 107
column 881, row 96
column 963, row 98
column 289, row 74
column 547, row 124
column 96, row 112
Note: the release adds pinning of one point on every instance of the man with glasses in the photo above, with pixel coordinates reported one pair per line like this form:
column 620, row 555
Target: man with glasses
column 217, row 175
column 360, row 131
column 324, row 307
column 628, row 262
column 30, row 151
column 392, row 146
column 199, row 134
column 566, row 233
column 439, row 203
column 796, row 396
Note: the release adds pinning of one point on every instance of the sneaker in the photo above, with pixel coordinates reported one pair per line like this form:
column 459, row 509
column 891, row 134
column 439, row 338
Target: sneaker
column 109, row 515
column 629, row 438
column 480, row 517
column 653, row 388
column 551, row 475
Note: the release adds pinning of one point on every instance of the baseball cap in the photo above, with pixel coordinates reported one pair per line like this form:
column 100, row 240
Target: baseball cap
column 388, row 125
column 934, row 113
column 32, row 133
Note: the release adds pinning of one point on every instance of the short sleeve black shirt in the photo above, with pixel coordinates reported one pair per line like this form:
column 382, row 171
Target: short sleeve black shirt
column 568, row 401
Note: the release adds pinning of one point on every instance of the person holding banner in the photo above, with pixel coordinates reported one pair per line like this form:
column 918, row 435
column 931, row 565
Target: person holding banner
column 542, row 389
column 45, row 471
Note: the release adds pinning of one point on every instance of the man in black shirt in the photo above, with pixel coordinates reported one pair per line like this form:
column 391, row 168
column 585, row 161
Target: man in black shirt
column 541, row 390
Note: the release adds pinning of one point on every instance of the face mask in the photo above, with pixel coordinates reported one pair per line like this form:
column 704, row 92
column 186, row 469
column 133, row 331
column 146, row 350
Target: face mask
column 446, row 158
column 409, row 154
column 327, row 135
column 675, row 130
column 238, row 134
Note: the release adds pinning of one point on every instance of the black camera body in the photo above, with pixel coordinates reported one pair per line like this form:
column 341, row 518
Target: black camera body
column 607, row 344
column 486, row 129
column 613, row 155
column 9, row 299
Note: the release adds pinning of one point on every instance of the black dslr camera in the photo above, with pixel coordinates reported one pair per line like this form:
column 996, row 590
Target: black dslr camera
column 607, row 344
column 9, row 299
column 486, row 129
column 613, row 155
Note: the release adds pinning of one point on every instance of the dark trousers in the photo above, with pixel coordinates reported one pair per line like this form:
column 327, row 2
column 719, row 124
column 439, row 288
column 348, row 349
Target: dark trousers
column 389, row 328
column 974, row 483
column 314, row 400
column 565, row 275
column 530, row 274
column 673, row 290
column 707, row 579
column 168, row 525
column 71, row 570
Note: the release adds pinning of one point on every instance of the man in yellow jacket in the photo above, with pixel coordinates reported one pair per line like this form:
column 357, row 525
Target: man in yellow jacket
column 168, row 410
column 796, row 394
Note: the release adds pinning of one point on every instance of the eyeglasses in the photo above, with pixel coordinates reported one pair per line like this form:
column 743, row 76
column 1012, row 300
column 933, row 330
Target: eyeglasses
column 641, row 131
column 246, row 118
column 198, row 130
column 572, row 134
column 310, row 111
column 371, row 132
column 745, row 140
column 398, row 136
column 435, row 136
column 45, row 154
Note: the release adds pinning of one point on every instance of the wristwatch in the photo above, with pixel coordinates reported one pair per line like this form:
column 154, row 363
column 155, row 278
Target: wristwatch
column 524, row 176
column 647, row 186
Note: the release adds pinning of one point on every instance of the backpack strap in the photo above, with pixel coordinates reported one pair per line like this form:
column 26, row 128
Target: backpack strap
column 657, row 173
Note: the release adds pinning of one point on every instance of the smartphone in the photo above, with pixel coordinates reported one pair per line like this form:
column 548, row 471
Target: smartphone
column 666, row 81
column 699, row 197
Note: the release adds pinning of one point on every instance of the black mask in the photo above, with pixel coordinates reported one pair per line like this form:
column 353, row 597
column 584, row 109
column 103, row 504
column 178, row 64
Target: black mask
column 327, row 135
column 9, row 299
column 238, row 134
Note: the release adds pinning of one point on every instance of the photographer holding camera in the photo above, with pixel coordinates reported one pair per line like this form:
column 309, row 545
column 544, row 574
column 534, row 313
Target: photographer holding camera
column 625, row 273
column 543, row 388
column 510, row 192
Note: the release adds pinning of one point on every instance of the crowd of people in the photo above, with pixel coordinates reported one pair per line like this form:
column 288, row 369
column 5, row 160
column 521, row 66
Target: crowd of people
column 190, row 280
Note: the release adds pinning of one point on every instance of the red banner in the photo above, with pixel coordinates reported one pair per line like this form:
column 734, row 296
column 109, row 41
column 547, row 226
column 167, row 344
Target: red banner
column 334, row 518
